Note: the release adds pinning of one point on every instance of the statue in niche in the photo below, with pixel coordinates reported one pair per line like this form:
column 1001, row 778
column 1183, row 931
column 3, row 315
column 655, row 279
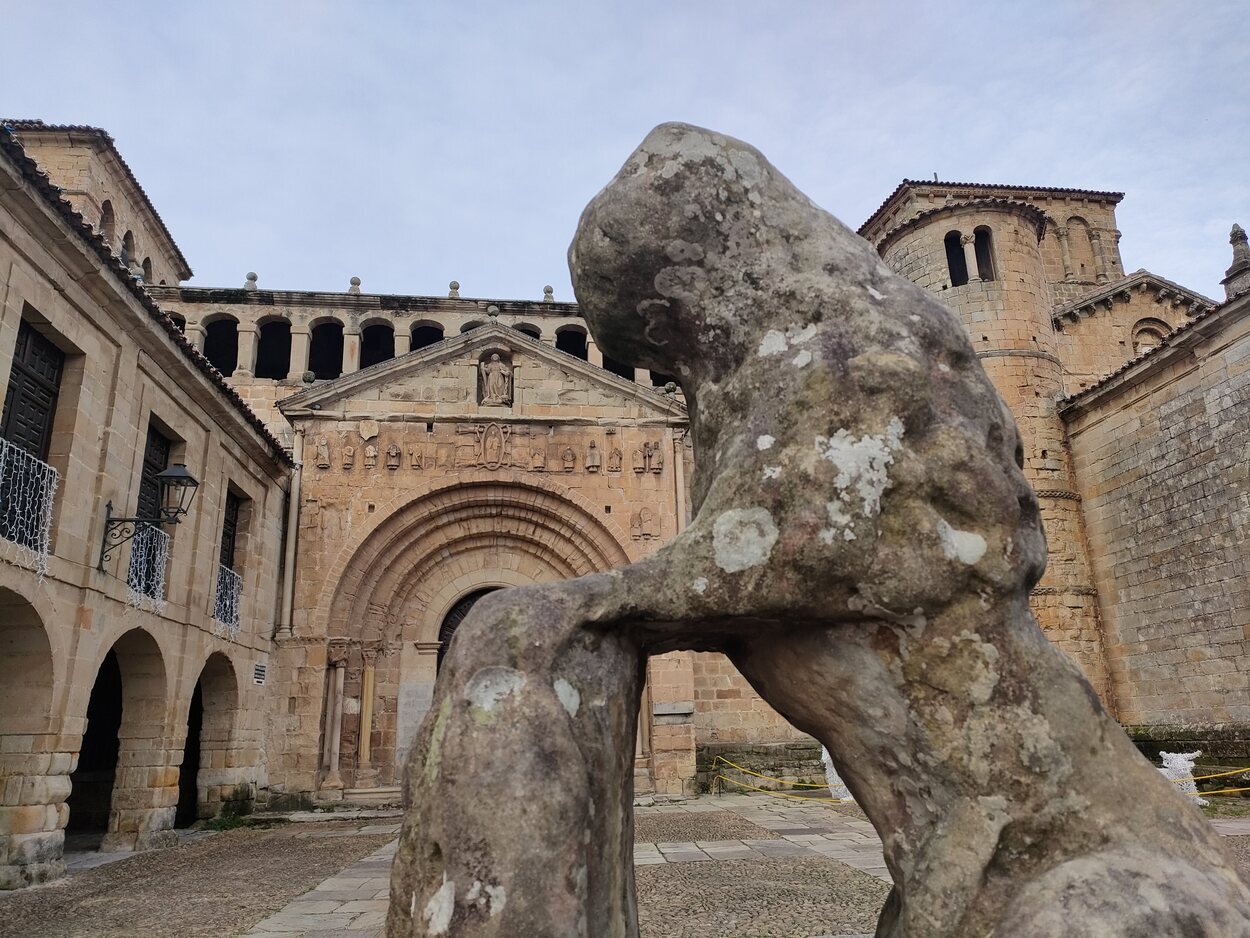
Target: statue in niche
column 570, row 459
column 492, row 445
column 349, row 457
column 614, row 460
column 969, row 740
column 538, row 459
column 641, row 455
column 592, row 457
column 392, row 455
column 496, row 381
column 323, row 453
column 415, row 455
column 655, row 461
column 371, row 456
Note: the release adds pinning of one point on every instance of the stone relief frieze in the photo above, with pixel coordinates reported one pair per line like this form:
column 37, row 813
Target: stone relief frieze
column 393, row 454
column 592, row 457
column 569, row 458
column 644, row 525
column 323, row 453
column 371, row 456
column 493, row 446
column 349, row 457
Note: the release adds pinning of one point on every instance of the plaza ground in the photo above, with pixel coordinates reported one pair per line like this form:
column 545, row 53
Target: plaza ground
column 735, row 866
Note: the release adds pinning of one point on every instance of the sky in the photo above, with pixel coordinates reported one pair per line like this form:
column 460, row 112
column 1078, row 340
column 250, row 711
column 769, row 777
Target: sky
column 412, row 143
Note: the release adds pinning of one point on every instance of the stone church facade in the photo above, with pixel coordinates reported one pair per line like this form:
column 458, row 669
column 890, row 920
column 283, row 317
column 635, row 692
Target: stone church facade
column 370, row 465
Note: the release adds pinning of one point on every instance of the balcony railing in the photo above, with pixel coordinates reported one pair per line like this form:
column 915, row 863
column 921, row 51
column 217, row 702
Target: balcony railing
column 149, row 559
column 226, row 605
column 27, row 494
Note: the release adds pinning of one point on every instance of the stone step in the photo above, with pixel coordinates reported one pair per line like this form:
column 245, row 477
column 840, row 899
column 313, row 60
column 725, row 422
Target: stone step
column 379, row 795
column 642, row 781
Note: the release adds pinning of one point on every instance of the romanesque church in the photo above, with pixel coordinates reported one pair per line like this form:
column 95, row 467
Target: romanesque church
column 239, row 526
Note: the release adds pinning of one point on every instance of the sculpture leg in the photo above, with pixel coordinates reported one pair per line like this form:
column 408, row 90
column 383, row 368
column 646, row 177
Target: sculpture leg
column 518, row 790
column 981, row 756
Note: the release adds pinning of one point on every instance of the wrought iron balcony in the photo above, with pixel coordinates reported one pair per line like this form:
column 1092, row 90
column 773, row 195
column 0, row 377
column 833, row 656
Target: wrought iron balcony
column 27, row 494
column 149, row 561
column 226, row 605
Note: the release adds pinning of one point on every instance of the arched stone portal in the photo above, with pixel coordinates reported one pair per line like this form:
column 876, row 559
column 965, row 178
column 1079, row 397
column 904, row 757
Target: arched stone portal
column 452, row 620
column 404, row 582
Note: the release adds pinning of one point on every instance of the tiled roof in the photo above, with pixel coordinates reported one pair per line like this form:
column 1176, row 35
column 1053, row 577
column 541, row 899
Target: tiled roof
column 12, row 149
column 1094, row 193
column 103, row 135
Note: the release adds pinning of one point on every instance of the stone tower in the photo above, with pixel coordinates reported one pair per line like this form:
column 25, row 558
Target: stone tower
column 982, row 255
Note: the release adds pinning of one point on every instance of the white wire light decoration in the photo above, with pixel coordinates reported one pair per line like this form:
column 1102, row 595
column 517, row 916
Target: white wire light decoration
column 27, row 495
column 226, row 604
column 149, row 559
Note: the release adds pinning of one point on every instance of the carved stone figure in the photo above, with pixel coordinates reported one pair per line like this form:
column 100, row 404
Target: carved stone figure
column 349, row 457
column 496, row 381
column 641, row 454
column 538, row 459
column 371, row 456
column 393, row 454
column 369, row 430
column 644, row 525
column 415, row 456
column 655, row 461
column 614, row 460
column 879, row 599
column 492, row 445
column 323, row 453
column 570, row 459
column 593, row 458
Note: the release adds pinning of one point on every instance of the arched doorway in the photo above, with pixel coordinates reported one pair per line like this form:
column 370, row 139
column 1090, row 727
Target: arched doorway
column 454, row 617
column 207, row 784
column 26, row 695
column 406, row 588
column 126, row 720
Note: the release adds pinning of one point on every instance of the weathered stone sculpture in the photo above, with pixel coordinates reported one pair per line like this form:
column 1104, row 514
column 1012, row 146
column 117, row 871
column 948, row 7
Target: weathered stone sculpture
column 863, row 549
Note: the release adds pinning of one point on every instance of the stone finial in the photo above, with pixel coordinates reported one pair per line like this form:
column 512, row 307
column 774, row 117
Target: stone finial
column 1237, row 278
column 453, row 290
column 492, row 311
column 549, row 294
column 251, row 281
column 355, row 285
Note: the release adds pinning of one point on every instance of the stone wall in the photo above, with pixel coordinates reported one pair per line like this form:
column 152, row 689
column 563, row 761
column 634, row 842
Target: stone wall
column 1160, row 454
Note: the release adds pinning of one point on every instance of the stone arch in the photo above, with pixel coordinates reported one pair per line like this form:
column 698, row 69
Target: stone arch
column 1148, row 333
column 325, row 347
column 425, row 332
column 126, row 752
column 32, row 800
column 395, row 587
column 573, row 340
column 221, row 341
column 273, row 347
column 377, row 341
column 533, row 330
column 210, row 779
column 108, row 222
column 1081, row 249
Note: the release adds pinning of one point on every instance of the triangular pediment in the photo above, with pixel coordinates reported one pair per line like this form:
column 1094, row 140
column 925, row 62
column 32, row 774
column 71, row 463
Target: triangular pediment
column 445, row 380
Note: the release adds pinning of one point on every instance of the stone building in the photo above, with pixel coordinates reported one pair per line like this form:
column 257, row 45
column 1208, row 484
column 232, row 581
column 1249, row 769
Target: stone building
column 382, row 461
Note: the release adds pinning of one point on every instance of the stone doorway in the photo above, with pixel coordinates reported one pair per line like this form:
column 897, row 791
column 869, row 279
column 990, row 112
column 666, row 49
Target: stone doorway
column 91, row 784
column 208, row 784
column 454, row 617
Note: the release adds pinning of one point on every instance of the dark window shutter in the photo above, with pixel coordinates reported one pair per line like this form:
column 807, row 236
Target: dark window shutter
column 30, row 402
column 229, row 529
column 155, row 460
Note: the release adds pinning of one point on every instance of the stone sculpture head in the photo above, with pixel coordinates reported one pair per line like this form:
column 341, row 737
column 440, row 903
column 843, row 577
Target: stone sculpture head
column 677, row 249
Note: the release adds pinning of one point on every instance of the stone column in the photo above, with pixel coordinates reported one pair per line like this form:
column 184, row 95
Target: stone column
column 332, row 785
column 593, row 355
column 1100, row 256
column 300, row 339
column 196, row 334
column 33, row 815
column 642, row 376
column 1066, row 251
column 366, row 774
column 403, row 343
column 351, row 352
column 246, row 366
column 970, row 257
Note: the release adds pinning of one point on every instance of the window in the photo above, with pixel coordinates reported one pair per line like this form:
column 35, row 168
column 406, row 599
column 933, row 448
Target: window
column 325, row 353
column 128, row 248
column 573, row 341
column 983, row 245
column 273, row 353
column 147, row 270
column 108, row 224
column 658, row 379
column 530, row 330
column 377, row 344
column 221, row 345
column 180, row 322
column 470, row 326
column 955, row 262
column 229, row 582
column 149, row 548
column 27, row 483
column 424, row 334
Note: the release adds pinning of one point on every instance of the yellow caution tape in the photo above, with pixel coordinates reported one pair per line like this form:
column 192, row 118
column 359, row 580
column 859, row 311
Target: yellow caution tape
column 780, row 781
column 785, row 794
column 1199, row 778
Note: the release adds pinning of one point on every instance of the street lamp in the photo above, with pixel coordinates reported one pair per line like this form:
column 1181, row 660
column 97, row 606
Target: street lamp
column 178, row 488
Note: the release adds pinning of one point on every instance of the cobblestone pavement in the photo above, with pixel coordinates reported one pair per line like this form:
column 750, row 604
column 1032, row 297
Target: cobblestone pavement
column 715, row 867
